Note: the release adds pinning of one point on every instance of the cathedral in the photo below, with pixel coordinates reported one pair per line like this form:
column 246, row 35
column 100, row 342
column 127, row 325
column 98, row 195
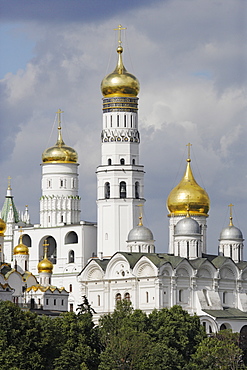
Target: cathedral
column 115, row 258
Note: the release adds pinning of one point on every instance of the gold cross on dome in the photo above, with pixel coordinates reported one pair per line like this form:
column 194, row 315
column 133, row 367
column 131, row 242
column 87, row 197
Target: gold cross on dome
column 189, row 145
column 59, row 117
column 140, row 217
column 119, row 29
column 21, row 232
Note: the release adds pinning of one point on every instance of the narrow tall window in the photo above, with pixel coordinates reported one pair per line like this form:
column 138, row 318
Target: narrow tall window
column 188, row 249
column 98, row 300
column 180, row 295
column 109, row 161
column 118, row 297
column 137, row 190
column 231, row 250
column 70, row 288
column 71, row 256
column 147, row 297
column 105, row 121
column 131, row 121
column 107, row 190
column 117, row 120
column 111, row 121
column 127, row 296
column 71, row 307
column 224, row 297
column 133, row 161
column 125, row 120
column 122, row 161
column 122, row 189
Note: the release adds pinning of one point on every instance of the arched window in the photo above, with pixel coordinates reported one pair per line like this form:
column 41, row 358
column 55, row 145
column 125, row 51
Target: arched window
column 125, row 120
column 122, row 161
column 223, row 327
column 137, row 188
column 70, row 288
column 107, row 190
column 131, row 121
column 71, row 238
column 117, row 120
column 71, row 256
column 118, row 297
column 122, row 189
column 127, row 296
column 109, row 161
column 133, row 161
column 27, row 240
column 111, row 121
column 98, row 300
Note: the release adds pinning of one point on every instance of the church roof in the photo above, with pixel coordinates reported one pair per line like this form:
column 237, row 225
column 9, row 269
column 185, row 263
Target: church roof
column 228, row 313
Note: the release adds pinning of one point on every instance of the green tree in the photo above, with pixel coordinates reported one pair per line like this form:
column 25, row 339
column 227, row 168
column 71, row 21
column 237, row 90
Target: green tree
column 220, row 351
column 78, row 342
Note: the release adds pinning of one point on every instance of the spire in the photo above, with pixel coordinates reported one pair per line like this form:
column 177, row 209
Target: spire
column 140, row 216
column 9, row 211
column 120, row 67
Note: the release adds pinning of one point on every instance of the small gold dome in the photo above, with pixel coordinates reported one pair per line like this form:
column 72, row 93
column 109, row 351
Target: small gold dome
column 188, row 192
column 21, row 248
column 2, row 227
column 120, row 82
column 59, row 153
column 45, row 265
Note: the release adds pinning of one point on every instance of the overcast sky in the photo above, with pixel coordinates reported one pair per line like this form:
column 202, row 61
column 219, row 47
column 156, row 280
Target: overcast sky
column 190, row 57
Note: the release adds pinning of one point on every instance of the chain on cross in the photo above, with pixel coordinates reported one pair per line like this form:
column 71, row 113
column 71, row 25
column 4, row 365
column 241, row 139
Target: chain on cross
column 119, row 29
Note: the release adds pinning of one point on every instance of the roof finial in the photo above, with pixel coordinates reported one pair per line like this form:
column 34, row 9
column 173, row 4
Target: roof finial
column 60, row 139
column 45, row 245
column 140, row 216
column 119, row 29
column 230, row 206
column 9, row 186
column 189, row 145
column 188, row 207
column 21, row 236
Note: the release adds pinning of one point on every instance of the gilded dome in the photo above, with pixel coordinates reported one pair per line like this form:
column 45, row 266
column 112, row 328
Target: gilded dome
column 120, row 82
column 21, row 248
column 188, row 192
column 2, row 227
column 45, row 265
column 59, row 153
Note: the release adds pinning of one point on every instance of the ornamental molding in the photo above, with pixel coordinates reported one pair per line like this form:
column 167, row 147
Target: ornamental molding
column 121, row 135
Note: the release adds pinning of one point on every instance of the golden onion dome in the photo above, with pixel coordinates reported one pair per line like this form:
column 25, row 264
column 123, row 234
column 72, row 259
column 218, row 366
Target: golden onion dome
column 120, row 82
column 2, row 227
column 45, row 265
column 59, row 153
column 188, row 193
column 21, row 248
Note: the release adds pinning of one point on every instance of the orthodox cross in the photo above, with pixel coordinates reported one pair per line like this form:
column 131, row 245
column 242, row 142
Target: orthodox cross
column 119, row 29
column 59, row 117
column 189, row 145
column 230, row 205
column 45, row 245
column 21, row 231
column 140, row 217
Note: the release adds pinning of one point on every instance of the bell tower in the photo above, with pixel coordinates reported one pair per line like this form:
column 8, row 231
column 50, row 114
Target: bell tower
column 119, row 176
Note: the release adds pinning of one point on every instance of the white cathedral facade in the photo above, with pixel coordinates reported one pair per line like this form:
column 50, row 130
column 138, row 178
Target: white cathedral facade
column 115, row 258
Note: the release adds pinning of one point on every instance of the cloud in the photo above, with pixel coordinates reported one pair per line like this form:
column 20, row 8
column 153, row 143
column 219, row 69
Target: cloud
column 189, row 59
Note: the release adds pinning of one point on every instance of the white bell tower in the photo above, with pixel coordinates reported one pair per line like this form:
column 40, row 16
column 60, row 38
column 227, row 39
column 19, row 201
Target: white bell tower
column 120, row 176
column 59, row 203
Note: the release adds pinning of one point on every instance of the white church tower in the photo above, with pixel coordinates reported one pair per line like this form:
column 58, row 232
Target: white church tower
column 120, row 176
column 59, row 203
